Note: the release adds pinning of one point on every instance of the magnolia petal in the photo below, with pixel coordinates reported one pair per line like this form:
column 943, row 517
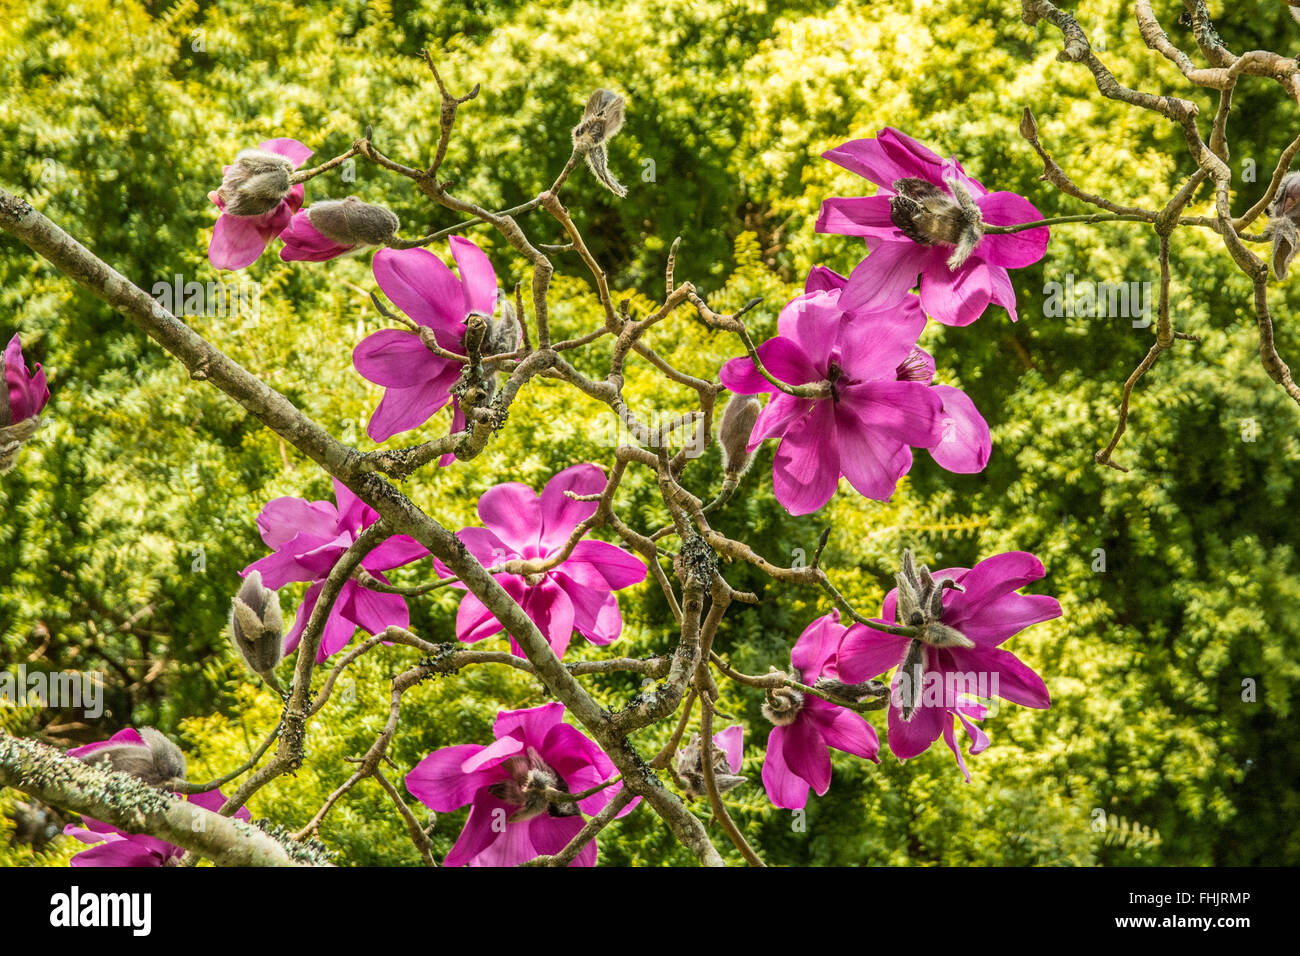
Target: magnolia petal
column 814, row 652
column 479, row 832
column 397, row 551
column 236, row 242
column 398, row 359
column 806, row 754
column 957, row 297
column 731, row 741
column 531, row 724
column 786, row 789
column 303, row 242
column 884, row 277
column 865, row 654
column 858, row 216
column 403, row 409
column 477, row 278
column 964, row 439
column 561, row 514
column 474, row 621
column 873, row 345
column 422, row 286
column 283, row 519
column 514, row 514
column 292, row 150
column 777, row 415
column 871, row 460
column 441, row 783
column 908, row 738
column 806, row 470
column 843, row 730
column 1017, row 249
column 598, row 564
column 822, row 279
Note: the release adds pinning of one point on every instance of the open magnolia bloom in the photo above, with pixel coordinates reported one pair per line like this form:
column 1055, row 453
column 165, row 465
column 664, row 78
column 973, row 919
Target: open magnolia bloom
column 511, row 785
column 307, row 539
column 805, row 727
column 878, row 406
column 964, row 615
column 418, row 382
column 927, row 219
column 964, row 439
column 256, row 202
column 523, row 528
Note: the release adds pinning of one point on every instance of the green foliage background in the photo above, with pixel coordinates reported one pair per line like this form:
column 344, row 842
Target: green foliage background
column 124, row 525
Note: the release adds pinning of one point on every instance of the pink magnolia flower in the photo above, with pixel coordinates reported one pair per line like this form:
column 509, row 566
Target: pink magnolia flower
column 806, row 727
column 335, row 227
column 308, row 538
column 417, row 382
column 26, row 391
column 575, row 594
column 114, row 847
column 510, row 819
column 303, row 242
column 927, row 218
column 957, row 657
column 964, row 440
column 238, row 241
column 862, row 430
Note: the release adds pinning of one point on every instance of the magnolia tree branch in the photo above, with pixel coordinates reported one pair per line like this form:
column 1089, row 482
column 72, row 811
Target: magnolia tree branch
column 207, row 363
column 123, row 801
column 1224, row 73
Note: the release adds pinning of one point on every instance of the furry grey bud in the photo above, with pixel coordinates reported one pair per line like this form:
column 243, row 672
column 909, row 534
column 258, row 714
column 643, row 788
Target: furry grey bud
column 690, row 767
column 733, row 434
column 927, row 215
column 256, row 627
column 502, row 331
column 783, row 705
column 867, row 690
column 255, row 183
column 351, row 222
column 602, row 119
column 1283, row 218
column 156, row 762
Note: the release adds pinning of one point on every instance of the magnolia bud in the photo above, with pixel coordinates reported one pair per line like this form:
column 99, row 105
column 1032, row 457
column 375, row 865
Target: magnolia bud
column 866, row 690
column 156, row 761
column 690, row 767
column 733, row 434
column 256, row 627
column 1283, row 217
column 351, row 222
column 1028, row 126
column 502, row 331
column 255, row 183
column 602, row 118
